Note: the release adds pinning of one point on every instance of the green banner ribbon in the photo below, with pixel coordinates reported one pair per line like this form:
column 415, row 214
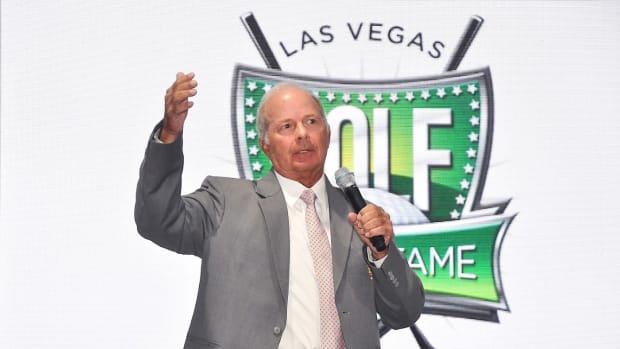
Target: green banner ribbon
column 457, row 258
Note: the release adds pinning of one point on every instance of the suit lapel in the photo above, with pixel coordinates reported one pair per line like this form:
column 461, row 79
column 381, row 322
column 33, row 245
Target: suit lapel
column 341, row 231
column 272, row 203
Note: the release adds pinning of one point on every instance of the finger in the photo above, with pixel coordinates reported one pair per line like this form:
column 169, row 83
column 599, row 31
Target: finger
column 179, row 98
column 180, row 77
column 182, row 82
column 376, row 215
column 366, row 241
column 380, row 226
column 382, row 220
column 186, row 84
column 369, row 212
column 356, row 223
column 183, row 87
column 385, row 233
column 183, row 95
column 352, row 217
column 374, row 221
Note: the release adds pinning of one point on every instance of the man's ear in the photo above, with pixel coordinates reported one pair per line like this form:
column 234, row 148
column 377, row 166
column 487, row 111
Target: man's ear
column 265, row 147
column 329, row 135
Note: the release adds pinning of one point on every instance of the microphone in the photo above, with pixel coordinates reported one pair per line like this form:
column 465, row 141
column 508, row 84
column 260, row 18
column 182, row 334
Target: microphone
column 346, row 182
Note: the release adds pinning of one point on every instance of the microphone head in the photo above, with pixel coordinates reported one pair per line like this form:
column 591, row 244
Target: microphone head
column 344, row 178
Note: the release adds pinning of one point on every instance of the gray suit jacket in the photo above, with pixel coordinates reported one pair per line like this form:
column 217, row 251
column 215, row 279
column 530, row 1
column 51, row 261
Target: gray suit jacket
column 240, row 230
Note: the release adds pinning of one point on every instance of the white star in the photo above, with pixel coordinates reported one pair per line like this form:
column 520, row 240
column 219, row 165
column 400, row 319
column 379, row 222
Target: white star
column 315, row 93
column 468, row 168
column 454, row 214
column 473, row 137
column 460, row 200
column 267, row 87
column 456, row 90
column 474, row 104
column 252, row 134
column 441, row 92
column 410, row 97
column 471, row 153
column 254, row 150
column 472, row 89
column 464, row 184
column 252, row 86
column 378, row 99
column 249, row 102
column 257, row 166
column 393, row 97
column 425, row 95
column 362, row 98
column 330, row 96
column 250, row 118
column 474, row 120
column 346, row 98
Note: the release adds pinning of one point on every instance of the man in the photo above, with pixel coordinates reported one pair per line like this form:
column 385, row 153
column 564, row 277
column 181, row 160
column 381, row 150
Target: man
column 285, row 263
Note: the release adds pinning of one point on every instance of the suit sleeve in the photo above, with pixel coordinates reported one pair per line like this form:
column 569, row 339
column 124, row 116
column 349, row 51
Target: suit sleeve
column 178, row 223
column 399, row 295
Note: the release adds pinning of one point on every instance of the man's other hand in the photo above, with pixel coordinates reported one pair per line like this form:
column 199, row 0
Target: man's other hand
column 373, row 221
column 177, row 105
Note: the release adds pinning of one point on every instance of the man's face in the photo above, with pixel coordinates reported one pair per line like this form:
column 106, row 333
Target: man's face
column 297, row 134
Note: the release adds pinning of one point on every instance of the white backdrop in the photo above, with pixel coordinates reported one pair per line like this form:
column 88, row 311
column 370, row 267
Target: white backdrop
column 82, row 84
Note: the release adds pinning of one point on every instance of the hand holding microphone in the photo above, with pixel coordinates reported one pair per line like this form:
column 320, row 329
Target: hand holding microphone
column 372, row 223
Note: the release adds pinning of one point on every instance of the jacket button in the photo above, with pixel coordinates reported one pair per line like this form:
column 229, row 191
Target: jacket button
column 277, row 330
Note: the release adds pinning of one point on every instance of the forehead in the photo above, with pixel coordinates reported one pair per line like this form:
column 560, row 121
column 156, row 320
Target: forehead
column 291, row 101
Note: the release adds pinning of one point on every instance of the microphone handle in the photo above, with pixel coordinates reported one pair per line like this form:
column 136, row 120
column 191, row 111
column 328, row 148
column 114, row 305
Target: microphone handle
column 357, row 201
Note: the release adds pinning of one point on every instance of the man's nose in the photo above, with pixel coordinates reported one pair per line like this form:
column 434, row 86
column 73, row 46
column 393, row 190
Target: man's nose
column 301, row 131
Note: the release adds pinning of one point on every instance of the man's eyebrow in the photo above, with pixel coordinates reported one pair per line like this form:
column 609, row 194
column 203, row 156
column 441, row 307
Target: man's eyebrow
column 285, row 119
column 282, row 121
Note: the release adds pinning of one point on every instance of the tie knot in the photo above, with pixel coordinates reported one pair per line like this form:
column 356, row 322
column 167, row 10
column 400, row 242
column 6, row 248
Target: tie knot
column 308, row 197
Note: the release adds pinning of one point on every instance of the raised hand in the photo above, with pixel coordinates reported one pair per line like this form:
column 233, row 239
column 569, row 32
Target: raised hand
column 177, row 105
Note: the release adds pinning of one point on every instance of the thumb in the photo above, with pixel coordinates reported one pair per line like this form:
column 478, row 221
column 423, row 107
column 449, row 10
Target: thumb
column 352, row 217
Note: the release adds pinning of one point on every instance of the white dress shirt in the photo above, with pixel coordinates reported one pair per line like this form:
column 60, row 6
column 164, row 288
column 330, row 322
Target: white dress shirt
column 303, row 323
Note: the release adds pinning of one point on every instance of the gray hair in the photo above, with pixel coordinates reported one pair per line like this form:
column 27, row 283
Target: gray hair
column 262, row 123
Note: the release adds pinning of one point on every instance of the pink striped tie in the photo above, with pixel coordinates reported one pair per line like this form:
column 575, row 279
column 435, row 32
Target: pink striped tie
column 331, row 334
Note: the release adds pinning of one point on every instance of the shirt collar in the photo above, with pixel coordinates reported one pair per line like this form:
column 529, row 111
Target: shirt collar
column 292, row 190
